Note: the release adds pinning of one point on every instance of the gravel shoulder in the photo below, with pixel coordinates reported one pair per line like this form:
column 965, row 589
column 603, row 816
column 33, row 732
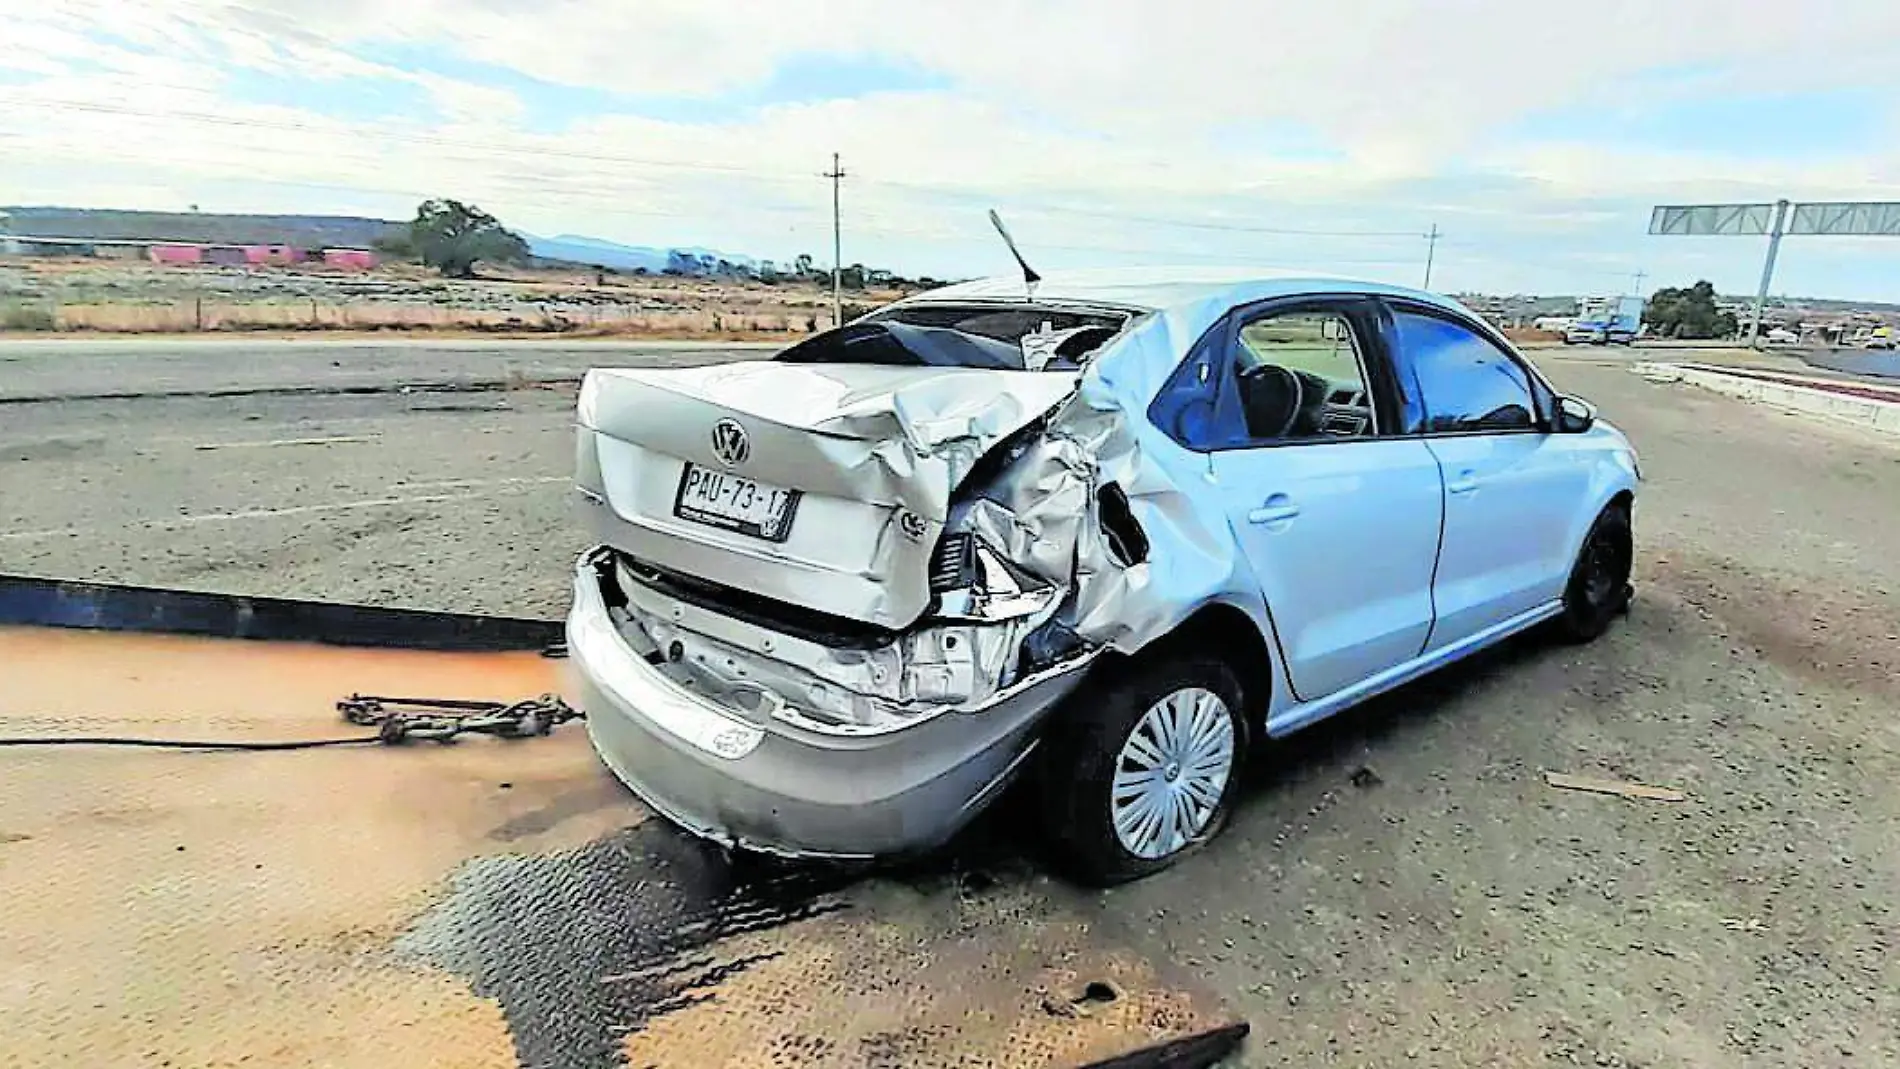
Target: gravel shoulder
column 1445, row 908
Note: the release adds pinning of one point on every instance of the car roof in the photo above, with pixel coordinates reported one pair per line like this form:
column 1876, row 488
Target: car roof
column 1173, row 288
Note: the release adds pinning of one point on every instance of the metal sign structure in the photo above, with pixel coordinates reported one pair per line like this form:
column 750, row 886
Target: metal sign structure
column 1777, row 220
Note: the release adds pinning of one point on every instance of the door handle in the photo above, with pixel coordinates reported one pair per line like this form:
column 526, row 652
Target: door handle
column 1465, row 483
column 1276, row 509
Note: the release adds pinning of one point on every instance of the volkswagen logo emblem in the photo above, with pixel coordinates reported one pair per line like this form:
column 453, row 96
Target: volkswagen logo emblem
column 730, row 446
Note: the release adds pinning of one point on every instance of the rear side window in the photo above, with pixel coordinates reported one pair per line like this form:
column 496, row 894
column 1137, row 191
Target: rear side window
column 1012, row 338
column 1466, row 382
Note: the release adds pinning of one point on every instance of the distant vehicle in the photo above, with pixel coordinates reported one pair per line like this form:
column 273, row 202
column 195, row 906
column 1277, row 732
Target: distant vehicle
column 1782, row 336
column 1553, row 324
column 1619, row 324
column 1881, row 338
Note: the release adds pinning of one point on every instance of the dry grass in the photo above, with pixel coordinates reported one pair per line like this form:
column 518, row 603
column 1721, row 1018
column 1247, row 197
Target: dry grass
column 190, row 317
column 135, row 298
column 1530, row 334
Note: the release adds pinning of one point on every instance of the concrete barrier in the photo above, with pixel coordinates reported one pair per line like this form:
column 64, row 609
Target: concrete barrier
column 1787, row 393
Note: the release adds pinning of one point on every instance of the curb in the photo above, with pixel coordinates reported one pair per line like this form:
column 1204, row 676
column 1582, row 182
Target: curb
column 37, row 602
column 1881, row 416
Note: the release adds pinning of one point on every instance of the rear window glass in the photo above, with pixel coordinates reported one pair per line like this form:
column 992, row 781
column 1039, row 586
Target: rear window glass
column 1027, row 338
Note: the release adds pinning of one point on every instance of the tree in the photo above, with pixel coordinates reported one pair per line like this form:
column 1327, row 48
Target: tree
column 395, row 245
column 1688, row 313
column 802, row 265
column 452, row 237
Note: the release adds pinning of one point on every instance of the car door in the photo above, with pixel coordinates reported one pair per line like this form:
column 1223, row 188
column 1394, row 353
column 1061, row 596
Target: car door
column 1511, row 490
column 1337, row 516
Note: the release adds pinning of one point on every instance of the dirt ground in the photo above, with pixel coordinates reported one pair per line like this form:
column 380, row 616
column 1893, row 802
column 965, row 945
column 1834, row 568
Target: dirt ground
column 490, row 903
column 1444, row 906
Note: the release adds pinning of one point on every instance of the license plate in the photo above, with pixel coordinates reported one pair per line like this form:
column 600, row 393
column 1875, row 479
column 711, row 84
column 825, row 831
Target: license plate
column 720, row 499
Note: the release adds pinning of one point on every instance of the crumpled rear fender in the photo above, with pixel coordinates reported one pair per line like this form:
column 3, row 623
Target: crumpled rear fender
column 1043, row 511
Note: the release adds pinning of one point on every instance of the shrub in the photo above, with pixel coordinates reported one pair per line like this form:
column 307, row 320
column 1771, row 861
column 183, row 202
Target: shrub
column 27, row 317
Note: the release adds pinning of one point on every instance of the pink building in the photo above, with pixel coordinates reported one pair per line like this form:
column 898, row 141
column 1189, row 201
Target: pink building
column 353, row 259
column 176, row 254
column 271, row 254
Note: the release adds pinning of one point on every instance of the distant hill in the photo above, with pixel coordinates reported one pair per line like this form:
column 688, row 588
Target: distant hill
column 1830, row 304
column 303, row 231
column 580, row 249
column 308, row 232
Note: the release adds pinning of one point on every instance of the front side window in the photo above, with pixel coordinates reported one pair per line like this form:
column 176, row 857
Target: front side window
column 1466, row 382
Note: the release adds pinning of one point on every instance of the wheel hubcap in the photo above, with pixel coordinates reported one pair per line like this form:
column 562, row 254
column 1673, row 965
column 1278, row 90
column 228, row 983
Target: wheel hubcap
column 1172, row 772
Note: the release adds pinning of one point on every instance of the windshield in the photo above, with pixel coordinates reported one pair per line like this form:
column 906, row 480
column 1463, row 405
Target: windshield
column 997, row 338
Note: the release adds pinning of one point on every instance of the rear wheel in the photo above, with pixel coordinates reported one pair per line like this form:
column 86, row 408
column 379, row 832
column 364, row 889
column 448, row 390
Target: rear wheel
column 1143, row 766
column 1599, row 586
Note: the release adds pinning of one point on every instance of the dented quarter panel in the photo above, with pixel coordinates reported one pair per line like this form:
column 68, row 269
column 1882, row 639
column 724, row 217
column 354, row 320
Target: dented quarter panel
column 1043, row 513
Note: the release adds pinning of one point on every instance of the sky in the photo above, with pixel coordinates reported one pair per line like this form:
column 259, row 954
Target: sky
column 1535, row 135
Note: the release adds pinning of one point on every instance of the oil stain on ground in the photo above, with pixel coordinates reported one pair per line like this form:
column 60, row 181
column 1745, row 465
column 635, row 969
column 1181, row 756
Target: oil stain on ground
column 581, row 947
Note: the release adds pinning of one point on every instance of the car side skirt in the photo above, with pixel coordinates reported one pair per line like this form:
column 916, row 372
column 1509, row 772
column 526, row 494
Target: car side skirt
column 1298, row 716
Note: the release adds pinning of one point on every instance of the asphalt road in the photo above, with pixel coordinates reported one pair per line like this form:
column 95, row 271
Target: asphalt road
column 87, row 367
column 243, row 467
column 1455, row 910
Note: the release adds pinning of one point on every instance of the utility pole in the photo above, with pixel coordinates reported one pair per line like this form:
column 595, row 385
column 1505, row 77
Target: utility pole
column 836, row 174
column 1768, row 269
column 1636, row 282
column 1431, row 250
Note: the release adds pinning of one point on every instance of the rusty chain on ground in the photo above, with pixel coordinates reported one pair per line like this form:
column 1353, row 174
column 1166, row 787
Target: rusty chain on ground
column 399, row 720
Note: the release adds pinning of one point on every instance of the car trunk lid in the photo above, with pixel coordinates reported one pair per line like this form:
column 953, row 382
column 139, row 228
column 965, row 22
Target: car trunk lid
column 864, row 458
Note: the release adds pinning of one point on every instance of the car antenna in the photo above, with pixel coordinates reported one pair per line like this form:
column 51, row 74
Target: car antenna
column 1030, row 277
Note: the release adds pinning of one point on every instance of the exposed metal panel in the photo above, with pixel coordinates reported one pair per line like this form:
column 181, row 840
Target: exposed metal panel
column 1713, row 219
column 1846, row 218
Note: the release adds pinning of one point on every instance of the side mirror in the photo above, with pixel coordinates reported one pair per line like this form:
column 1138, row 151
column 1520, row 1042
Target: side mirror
column 1574, row 415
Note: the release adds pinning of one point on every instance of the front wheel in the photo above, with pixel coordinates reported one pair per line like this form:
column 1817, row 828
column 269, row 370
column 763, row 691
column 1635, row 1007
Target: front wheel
column 1599, row 586
column 1143, row 766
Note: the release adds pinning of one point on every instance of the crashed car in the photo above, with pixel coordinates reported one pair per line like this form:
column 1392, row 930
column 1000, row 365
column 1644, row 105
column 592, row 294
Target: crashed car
column 1107, row 536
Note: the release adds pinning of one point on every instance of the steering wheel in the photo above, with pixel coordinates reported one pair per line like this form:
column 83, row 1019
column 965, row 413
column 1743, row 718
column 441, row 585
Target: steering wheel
column 1255, row 383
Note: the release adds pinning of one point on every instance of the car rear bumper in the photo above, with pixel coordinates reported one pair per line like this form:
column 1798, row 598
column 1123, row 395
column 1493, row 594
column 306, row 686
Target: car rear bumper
column 751, row 782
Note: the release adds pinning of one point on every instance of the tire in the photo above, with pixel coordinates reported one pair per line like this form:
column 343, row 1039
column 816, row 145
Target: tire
column 1599, row 586
column 1085, row 749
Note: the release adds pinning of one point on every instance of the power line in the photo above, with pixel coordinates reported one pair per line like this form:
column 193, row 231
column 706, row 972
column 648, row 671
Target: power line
column 1431, row 251
column 418, row 139
column 540, row 152
column 1148, row 220
column 1236, row 228
column 1433, row 236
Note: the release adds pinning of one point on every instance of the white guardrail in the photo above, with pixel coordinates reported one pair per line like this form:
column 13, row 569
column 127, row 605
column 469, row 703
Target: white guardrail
column 1805, row 396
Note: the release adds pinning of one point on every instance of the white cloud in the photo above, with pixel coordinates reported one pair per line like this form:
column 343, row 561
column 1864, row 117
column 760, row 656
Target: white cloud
column 1115, row 105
